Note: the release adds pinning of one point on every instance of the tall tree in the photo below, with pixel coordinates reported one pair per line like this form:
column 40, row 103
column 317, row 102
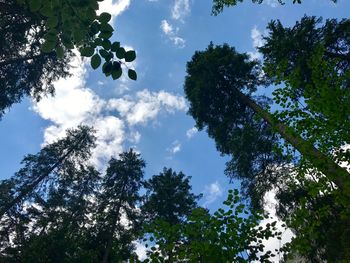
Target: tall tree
column 169, row 202
column 169, row 197
column 309, row 65
column 48, row 164
column 119, row 199
column 219, row 85
column 59, row 221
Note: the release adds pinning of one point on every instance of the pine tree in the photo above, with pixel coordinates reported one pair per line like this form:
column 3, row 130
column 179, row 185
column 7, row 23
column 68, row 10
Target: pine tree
column 118, row 216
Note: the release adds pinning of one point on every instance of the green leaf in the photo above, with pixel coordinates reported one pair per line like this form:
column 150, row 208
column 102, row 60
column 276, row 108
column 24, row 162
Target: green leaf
column 130, row 56
column 132, row 74
column 90, row 14
column 120, row 53
column 107, row 68
column 46, row 10
column 106, row 44
column 106, row 28
column 34, row 5
column 48, row 46
column 116, row 65
column 67, row 41
column 59, row 52
column 98, row 42
column 95, row 61
column 116, row 74
column 116, row 70
column 78, row 36
column 87, row 51
column 104, row 53
column 105, row 35
column 52, row 21
column 115, row 46
column 95, row 27
column 104, row 17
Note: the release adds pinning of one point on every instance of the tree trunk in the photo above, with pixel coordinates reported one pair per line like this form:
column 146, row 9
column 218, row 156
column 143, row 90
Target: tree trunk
column 338, row 175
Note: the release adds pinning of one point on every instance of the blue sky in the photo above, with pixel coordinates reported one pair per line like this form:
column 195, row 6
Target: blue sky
column 150, row 114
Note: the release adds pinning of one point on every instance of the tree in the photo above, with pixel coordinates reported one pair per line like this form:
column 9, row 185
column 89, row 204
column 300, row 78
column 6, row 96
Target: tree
column 119, row 198
column 169, row 197
column 229, row 235
column 36, row 40
column 60, row 220
column 219, row 85
column 169, row 202
column 309, row 64
column 312, row 62
column 77, row 216
column 218, row 5
column 44, row 199
column 47, row 165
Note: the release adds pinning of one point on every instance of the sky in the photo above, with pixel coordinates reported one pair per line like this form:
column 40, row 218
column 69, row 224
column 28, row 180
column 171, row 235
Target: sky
column 150, row 114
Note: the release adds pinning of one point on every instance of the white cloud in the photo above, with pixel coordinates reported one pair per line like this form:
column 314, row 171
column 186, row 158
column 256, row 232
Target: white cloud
column 271, row 244
column 180, row 9
column 141, row 251
column 172, row 34
column 272, row 3
column 175, row 147
column 256, row 35
column 114, row 7
column 74, row 104
column 211, row 193
column 178, row 41
column 166, row 27
column 191, row 132
column 258, row 41
column 146, row 106
column 110, row 137
column 134, row 137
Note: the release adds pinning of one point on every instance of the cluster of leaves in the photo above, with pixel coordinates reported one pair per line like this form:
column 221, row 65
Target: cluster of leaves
column 24, row 69
column 36, row 42
column 229, row 235
column 75, row 24
column 219, row 5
